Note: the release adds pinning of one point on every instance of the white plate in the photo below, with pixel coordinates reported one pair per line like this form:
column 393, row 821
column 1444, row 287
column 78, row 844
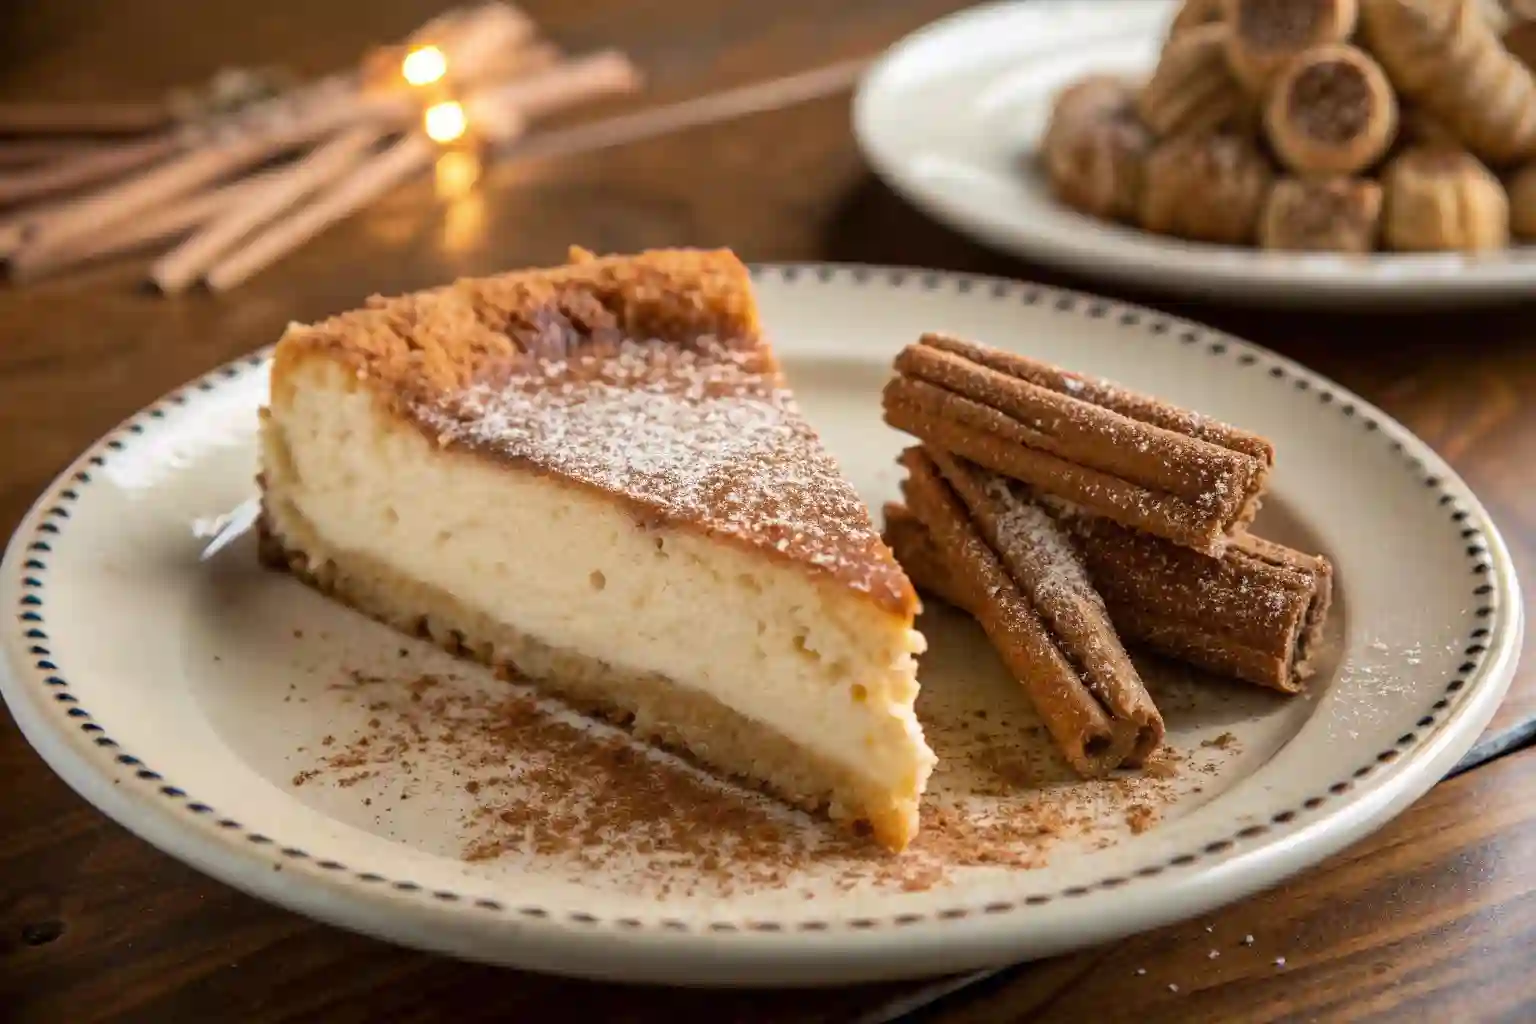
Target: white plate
column 951, row 116
column 184, row 696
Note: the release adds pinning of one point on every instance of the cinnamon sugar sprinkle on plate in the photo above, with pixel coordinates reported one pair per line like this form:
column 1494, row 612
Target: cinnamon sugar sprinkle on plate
column 532, row 781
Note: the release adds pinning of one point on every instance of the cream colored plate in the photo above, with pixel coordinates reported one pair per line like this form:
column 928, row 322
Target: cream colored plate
column 217, row 709
column 951, row 117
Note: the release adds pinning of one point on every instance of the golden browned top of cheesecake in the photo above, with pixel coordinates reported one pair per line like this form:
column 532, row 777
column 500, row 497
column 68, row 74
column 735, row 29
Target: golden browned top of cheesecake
column 643, row 377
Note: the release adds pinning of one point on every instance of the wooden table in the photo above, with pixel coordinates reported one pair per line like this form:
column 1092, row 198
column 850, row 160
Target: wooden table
column 1430, row 918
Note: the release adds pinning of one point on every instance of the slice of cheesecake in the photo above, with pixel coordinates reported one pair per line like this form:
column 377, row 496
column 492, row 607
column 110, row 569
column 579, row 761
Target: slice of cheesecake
column 593, row 476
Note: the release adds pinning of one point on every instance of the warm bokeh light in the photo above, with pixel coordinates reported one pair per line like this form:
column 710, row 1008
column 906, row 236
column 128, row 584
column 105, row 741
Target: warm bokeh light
column 445, row 122
column 464, row 212
column 455, row 173
column 424, row 65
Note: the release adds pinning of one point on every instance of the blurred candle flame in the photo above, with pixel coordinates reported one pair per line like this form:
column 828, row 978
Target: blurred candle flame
column 445, row 122
column 424, row 65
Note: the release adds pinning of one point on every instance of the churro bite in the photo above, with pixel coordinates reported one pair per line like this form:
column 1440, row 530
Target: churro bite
column 1193, row 14
column 1192, row 89
column 1095, row 148
column 1522, row 203
column 1441, row 199
column 1266, row 35
column 1206, row 188
column 1331, row 111
column 1446, row 57
column 1322, row 215
column 1389, row 123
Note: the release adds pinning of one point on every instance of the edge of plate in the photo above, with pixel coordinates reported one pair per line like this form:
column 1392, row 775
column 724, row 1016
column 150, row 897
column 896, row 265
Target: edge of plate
column 732, row 952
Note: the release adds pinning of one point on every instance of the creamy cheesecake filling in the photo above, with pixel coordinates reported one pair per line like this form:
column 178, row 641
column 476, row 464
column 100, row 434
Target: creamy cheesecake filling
column 577, row 572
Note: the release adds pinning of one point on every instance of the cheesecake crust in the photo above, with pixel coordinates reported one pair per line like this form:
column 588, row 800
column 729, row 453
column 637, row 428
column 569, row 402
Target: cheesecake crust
column 643, row 378
column 650, row 706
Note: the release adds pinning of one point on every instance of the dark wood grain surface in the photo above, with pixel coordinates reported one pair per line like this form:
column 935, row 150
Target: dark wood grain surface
column 1428, row 917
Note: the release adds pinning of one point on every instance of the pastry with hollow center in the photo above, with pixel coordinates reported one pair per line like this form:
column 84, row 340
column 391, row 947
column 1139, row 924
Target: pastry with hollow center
column 595, row 477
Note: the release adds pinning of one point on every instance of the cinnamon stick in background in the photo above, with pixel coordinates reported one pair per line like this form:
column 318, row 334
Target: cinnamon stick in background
column 322, row 108
column 26, row 152
column 477, row 44
column 31, row 262
column 82, row 118
column 85, row 168
column 496, row 114
column 370, row 179
column 1040, row 614
column 1256, row 614
column 477, row 41
column 182, row 265
column 12, row 235
column 1129, row 457
column 715, row 108
column 569, row 83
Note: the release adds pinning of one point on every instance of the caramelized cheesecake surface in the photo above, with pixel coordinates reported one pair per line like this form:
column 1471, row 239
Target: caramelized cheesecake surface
column 644, row 378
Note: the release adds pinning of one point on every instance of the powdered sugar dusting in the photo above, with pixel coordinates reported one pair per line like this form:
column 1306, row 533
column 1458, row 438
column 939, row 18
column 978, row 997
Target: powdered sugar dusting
column 703, row 434
column 1029, row 535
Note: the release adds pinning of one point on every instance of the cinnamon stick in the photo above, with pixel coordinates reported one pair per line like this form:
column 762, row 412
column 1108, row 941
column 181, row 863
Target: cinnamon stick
column 571, row 82
column 1128, row 457
column 25, row 152
column 498, row 114
column 715, row 108
column 1256, row 614
column 82, row 118
column 182, row 265
column 1094, row 739
column 1039, row 555
column 327, row 107
column 481, row 39
column 86, row 168
column 29, row 262
column 370, row 179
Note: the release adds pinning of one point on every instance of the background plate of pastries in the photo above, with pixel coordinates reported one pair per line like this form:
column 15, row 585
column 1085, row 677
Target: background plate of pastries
column 1299, row 151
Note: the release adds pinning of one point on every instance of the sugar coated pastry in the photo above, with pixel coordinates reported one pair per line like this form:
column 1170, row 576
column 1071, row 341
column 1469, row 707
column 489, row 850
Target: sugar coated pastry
column 1520, row 40
column 1266, row 35
column 1441, row 199
column 1209, row 188
column 1522, row 203
column 1331, row 111
column 1444, row 55
column 1192, row 89
column 1418, row 127
column 1415, row 40
column 1194, row 13
column 1322, row 215
column 1520, row 10
column 1095, row 148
